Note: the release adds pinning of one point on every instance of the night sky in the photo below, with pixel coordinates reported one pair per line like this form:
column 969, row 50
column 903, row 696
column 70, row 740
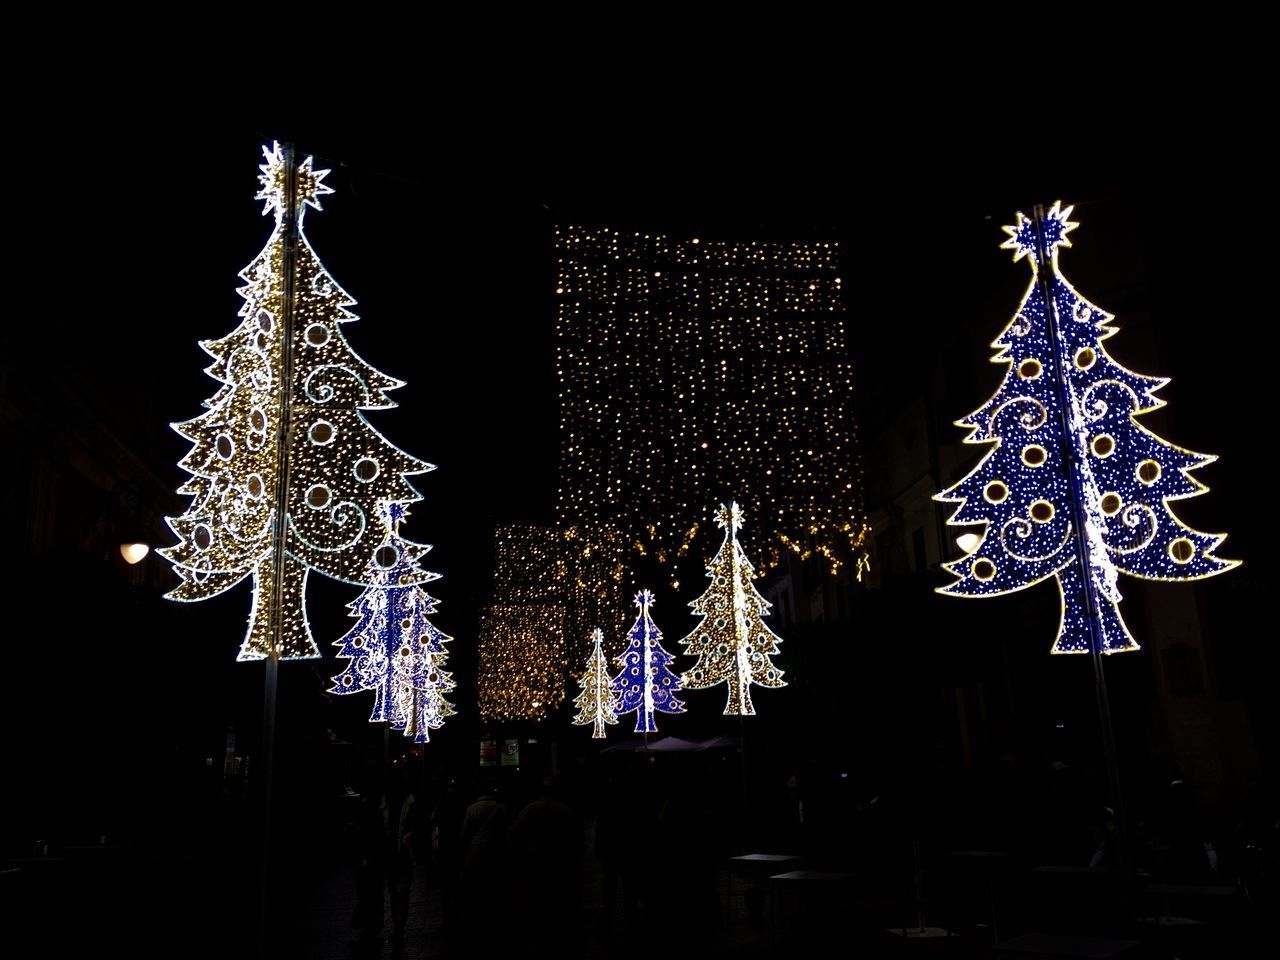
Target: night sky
column 443, row 235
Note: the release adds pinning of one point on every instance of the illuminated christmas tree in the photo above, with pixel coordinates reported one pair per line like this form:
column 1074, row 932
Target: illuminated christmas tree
column 732, row 643
column 646, row 683
column 396, row 652
column 596, row 703
column 1069, row 458
column 287, row 475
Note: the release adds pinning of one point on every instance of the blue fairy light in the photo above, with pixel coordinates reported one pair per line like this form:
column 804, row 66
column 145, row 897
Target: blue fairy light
column 646, row 682
column 1126, row 476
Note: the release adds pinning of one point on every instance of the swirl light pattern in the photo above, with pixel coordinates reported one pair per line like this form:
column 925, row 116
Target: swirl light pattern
column 287, row 426
column 1124, row 475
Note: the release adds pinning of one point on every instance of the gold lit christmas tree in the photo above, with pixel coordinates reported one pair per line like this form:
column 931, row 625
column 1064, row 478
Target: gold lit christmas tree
column 596, row 703
column 287, row 475
column 732, row 643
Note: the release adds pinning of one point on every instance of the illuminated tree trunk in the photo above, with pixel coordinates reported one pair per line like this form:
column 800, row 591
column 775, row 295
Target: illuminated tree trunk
column 295, row 634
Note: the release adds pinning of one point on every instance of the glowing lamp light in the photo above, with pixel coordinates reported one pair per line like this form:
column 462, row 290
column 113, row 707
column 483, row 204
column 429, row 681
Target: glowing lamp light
column 968, row 541
column 134, row 552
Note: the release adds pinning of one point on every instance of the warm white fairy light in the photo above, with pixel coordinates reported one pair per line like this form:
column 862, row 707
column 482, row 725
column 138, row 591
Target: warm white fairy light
column 597, row 704
column 342, row 474
column 732, row 643
column 551, row 585
column 691, row 366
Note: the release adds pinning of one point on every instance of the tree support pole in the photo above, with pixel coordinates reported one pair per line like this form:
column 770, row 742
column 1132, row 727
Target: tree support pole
column 280, row 530
column 1044, row 275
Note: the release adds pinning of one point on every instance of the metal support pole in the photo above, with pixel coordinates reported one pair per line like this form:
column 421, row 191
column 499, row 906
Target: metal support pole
column 1044, row 275
column 279, row 532
column 268, row 764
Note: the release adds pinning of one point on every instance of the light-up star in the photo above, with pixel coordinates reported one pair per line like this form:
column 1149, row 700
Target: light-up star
column 275, row 177
column 1022, row 236
column 730, row 516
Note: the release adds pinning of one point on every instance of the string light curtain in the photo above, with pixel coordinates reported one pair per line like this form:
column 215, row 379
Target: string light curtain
column 551, row 587
column 693, row 370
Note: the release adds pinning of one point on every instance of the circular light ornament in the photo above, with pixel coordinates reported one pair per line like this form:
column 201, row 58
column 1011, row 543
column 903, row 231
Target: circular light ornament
column 322, row 433
column 1042, row 511
column 318, row 496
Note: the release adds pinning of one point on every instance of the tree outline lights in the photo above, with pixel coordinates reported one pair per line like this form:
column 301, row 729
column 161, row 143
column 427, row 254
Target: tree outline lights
column 287, row 424
column 732, row 643
column 596, row 703
column 645, row 656
column 1066, row 444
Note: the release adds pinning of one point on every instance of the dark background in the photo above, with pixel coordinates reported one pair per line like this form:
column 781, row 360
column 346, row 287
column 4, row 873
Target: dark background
column 134, row 226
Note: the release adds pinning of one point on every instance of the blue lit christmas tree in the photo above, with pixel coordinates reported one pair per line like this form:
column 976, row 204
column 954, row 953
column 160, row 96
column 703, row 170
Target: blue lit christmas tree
column 396, row 652
column 1069, row 458
column 643, row 658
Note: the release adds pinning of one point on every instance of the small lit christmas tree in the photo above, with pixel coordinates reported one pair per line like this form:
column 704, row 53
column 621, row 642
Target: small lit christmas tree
column 287, row 475
column 732, row 643
column 596, row 703
column 1069, row 457
column 646, row 683
column 396, row 652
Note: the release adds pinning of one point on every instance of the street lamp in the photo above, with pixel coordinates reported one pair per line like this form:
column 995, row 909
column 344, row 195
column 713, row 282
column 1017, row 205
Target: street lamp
column 968, row 541
column 134, row 552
